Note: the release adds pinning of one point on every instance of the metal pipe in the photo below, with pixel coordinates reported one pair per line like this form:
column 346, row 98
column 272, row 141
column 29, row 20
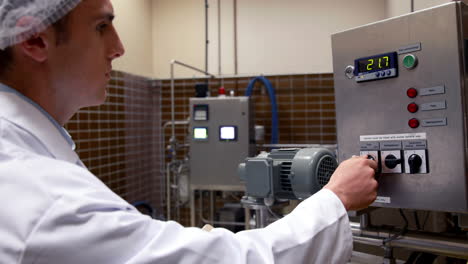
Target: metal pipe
column 420, row 242
column 177, row 193
column 192, row 206
column 168, row 177
column 211, row 206
column 261, row 217
column 178, row 122
column 388, row 255
column 207, row 41
column 205, row 221
column 168, row 192
column 172, row 123
column 364, row 221
column 219, row 37
column 247, row 218
column 163, row 143
column 412, row 6
column 192, row 68
column 173, row 151
column 235, row 38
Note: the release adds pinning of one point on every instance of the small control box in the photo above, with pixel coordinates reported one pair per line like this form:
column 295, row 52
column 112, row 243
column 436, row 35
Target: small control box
column 221, row 137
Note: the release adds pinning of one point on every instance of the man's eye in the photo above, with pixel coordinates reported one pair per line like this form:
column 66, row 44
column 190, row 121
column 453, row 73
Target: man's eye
column 101, row 27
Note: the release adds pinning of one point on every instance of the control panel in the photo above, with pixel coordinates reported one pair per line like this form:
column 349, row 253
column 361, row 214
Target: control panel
column 221, row 137
column 401, row 100
column 397, row 156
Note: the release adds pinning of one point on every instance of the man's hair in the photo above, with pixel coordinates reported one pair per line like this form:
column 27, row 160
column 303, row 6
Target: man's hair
column 61, row 29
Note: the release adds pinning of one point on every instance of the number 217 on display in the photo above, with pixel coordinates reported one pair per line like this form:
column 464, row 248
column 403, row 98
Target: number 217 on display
column 380, row 63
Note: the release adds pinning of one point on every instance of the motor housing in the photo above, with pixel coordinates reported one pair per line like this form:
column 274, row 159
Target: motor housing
column 292, row 174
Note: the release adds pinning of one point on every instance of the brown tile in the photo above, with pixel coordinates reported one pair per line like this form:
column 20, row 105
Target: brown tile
column 299, row 114
column 328, row 106
column 300, row 106
column 327, row 75
column 328, row 114
column 312, row 83
column 331, row 138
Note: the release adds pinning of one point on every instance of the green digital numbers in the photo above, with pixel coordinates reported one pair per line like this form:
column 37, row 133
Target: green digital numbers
column 375, row 63
column 386, row 59
column 382, row 63
column 370, row 64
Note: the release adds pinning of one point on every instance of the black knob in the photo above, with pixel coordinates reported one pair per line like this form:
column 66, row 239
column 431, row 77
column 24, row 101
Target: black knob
column 370, row 157
column 414, row 162
column 391, row 161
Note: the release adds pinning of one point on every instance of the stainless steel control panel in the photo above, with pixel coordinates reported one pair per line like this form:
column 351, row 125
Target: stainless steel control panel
column 221, row 137
column 412, row 120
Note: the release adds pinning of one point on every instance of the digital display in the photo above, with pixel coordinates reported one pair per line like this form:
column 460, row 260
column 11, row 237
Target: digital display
column 200, row 112
column 228, row 133
column 200, row 133
column 376, row 63
column 200, row 115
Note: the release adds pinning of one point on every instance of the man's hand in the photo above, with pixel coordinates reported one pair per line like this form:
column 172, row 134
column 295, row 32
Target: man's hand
column 354, row 183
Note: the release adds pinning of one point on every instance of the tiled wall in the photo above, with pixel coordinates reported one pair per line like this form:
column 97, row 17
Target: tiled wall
column 306, row 108
column 119, row 141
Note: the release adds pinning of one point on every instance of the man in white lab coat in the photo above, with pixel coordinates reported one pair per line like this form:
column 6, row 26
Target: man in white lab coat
column 55, row 59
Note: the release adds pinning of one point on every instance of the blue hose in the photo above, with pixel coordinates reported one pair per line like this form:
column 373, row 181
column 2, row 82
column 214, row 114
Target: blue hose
column 274, row 108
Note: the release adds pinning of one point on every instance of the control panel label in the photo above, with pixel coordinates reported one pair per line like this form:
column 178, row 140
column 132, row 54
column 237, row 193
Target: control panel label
column 410, row 48
column 415, row 144
column 382, row 199
column 370, row 146
column 434, row 106
column 390, row 145
column 432, row 90
column 434, row 122
column 393, row 137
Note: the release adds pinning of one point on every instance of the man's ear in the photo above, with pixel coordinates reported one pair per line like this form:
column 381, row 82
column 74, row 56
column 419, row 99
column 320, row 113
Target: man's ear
column 36, row 47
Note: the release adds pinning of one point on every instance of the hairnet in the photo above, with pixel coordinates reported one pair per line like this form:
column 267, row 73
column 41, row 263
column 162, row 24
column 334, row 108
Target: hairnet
column 21, row 19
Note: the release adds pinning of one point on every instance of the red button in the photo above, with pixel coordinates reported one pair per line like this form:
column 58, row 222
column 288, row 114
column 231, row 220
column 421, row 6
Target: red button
column 413, row 108
column 412, row 93
column 413, row 123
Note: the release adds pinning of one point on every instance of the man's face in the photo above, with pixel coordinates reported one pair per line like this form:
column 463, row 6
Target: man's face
column 81, row 65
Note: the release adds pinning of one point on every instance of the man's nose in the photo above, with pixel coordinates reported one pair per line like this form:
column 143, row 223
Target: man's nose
column 117, row 49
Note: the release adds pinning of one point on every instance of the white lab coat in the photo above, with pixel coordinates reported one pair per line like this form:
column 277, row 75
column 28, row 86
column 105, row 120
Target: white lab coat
column 55, row 211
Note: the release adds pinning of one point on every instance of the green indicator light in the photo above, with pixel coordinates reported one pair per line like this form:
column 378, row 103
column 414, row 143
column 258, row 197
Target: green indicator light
column 410, row 61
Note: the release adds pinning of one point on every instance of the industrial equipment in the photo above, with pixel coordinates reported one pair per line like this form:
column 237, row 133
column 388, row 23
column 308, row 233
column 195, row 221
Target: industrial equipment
column 284, row 174
column 401, row 97
column 293, row 174
column 222, row 136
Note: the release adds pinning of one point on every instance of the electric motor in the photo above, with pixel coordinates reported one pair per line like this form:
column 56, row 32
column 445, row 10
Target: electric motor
column 293, row 174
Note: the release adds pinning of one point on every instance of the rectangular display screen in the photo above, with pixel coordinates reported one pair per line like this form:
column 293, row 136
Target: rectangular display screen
column 228, row 133
column 376, row 63
column 200, row 133
column 200, row 112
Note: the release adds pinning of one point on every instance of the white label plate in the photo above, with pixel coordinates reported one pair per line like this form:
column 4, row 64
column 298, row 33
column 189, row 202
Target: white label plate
column 382, row 199
column 391, row 137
